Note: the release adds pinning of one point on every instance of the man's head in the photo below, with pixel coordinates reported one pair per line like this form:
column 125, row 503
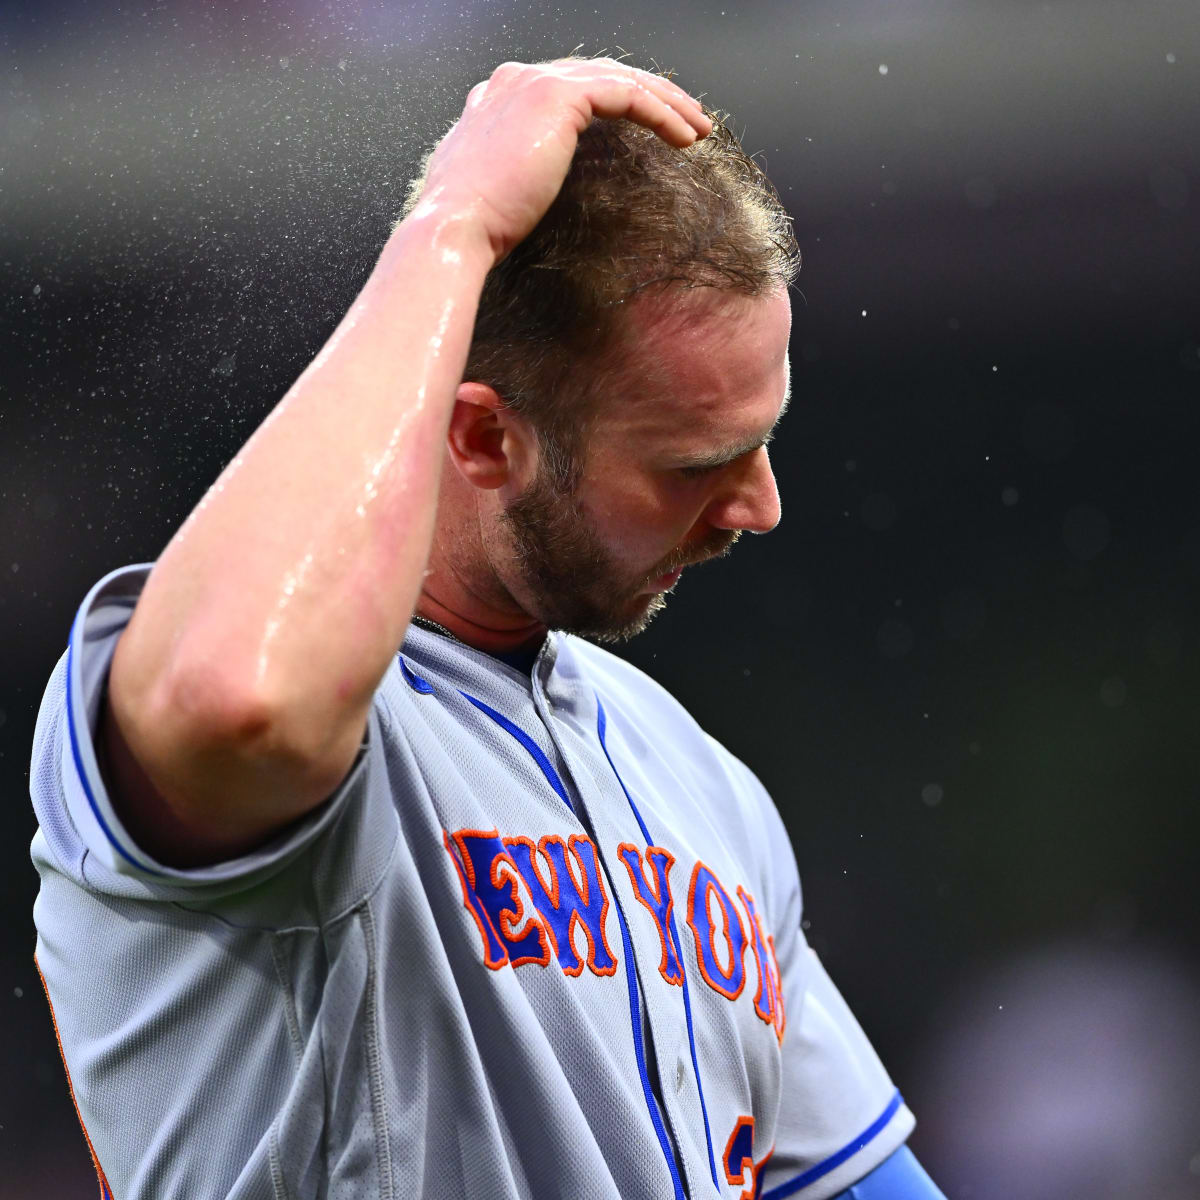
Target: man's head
column 674, row 469
column 623, row 351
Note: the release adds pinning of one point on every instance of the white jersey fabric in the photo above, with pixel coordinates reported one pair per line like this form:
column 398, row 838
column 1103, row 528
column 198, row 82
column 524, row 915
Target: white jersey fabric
column 544, row 941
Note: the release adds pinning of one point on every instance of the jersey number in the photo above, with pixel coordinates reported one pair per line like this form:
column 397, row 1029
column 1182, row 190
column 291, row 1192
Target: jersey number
column 740, row 1168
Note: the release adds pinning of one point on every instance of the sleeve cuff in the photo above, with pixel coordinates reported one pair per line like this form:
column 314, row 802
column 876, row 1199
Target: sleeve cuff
column 874, row 1144
column 102, row 617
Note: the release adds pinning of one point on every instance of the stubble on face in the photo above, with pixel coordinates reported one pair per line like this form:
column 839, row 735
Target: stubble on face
column 576, row 582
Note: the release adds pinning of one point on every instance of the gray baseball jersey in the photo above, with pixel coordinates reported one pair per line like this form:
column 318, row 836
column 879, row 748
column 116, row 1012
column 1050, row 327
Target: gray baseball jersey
column 544, row 941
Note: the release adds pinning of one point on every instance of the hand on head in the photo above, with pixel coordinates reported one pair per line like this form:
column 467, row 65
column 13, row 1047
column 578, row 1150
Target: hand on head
column 504, row 161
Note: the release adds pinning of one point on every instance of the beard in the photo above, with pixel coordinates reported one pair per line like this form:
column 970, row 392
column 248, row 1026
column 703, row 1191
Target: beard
column 574, row 582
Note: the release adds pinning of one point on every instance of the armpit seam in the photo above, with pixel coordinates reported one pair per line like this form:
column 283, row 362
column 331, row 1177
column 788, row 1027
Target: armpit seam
column 278, row 1183
column 289, row 1001
column 375, row 1081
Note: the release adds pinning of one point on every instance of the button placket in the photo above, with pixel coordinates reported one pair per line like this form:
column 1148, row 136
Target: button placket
column 611, row 821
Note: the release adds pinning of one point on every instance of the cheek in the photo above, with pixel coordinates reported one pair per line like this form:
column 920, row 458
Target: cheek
column 642, row 516
column 621, row 505
column 660, row 525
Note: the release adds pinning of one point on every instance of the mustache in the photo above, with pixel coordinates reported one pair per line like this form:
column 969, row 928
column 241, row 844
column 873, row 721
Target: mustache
column 716, row 545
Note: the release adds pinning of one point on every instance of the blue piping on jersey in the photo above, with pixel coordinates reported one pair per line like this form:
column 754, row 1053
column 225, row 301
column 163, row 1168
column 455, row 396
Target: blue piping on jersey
column 83, row 779
column 535, row 751
column 414, row 681
column 635, row 1010
column 601, row 729
column 635, row 1016
column 835, row 1160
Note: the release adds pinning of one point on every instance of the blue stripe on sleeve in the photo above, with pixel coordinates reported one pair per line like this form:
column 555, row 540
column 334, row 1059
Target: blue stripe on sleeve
column 835, row 1160
column 78, row 758
column 899, row 1177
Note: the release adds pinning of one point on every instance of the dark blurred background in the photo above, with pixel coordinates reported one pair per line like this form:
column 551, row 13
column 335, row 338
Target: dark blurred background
column 966, row 663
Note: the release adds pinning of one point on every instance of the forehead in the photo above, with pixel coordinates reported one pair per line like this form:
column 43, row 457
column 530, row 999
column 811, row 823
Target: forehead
column 702, row 361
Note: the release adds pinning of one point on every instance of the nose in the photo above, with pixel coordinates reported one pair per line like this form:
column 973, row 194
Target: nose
column 749, row 500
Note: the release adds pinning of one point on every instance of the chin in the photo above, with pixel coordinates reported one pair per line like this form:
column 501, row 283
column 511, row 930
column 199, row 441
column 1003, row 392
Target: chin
column 621, row 628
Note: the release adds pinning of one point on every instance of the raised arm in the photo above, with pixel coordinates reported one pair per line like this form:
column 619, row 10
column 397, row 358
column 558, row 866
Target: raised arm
column 239, row 691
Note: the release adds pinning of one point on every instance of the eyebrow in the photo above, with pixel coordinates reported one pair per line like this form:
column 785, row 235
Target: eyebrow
column 722, row 458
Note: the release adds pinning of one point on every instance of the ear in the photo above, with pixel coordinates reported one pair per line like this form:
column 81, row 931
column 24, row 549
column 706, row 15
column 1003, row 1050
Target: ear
column 487, row 442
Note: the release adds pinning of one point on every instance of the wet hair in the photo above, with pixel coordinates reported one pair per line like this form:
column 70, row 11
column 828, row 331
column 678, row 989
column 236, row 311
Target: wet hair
column 634, row 215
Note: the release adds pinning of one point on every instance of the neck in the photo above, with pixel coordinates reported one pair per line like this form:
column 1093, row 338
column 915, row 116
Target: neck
column 474, row 606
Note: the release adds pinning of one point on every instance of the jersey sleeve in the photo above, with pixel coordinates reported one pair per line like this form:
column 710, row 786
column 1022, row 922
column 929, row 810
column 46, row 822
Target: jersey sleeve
column 840, row 1114
column 80, row 829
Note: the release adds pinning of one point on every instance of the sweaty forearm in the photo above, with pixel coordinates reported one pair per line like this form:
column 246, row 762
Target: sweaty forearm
column 240, row 689
column 283, row 597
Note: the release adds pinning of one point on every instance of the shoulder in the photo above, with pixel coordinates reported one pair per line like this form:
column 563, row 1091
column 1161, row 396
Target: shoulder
column 693, row 783
column 623, row 685
column 651, row 721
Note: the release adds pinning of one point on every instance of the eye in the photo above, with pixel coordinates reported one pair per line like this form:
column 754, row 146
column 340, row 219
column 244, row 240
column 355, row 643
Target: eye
column 720, row 460
column 700, row 472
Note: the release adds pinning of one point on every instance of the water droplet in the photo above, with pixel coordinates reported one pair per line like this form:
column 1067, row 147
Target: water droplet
column 883, row 68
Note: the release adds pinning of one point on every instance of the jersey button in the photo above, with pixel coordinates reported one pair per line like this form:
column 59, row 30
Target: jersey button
column 680, row 1074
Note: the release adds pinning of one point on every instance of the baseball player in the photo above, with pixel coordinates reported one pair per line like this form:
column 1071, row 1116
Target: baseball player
column 364, row 872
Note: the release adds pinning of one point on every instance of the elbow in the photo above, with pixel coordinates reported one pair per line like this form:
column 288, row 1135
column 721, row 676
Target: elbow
column 287, row 739
column 206, row 702
column 231, row 762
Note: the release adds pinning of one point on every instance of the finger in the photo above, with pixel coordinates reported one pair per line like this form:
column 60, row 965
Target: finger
column 666, row 87
column 632, row 99
column 475, row 95
column 681, row 101
column 671, row 125
column 665, row 90
column 697, row 120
